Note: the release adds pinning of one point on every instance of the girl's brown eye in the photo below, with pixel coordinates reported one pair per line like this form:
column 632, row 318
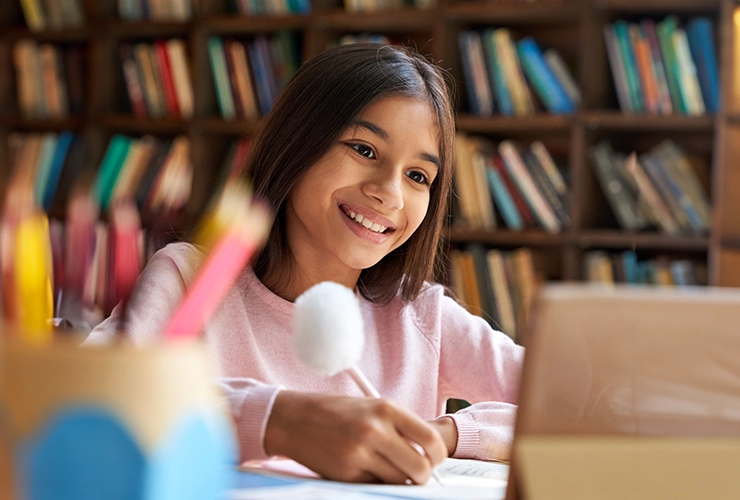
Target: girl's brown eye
column 363, row 150
column 418, row 177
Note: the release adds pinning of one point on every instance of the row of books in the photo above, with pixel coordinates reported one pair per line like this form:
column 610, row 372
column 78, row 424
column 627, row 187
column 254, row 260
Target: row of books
column 625, row 267
column 156, row 173
column 155, row 10
column 502, row 75
column 522, row 184
column 271, row 7
column 659, row 188
column 52, row 14
column 494, row 284
column 50, row 79
column 157, row 79
column 43, row 158
column 662, row 68
column 375, row 5
column 248, row 76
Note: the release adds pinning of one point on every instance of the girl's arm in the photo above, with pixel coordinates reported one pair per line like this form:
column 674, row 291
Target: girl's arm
column 482, row 366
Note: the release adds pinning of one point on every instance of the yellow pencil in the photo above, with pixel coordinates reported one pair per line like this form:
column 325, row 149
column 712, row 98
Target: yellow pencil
column 33, row 278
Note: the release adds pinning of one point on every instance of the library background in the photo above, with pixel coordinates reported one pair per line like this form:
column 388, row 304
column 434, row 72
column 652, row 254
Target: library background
column 553, row 97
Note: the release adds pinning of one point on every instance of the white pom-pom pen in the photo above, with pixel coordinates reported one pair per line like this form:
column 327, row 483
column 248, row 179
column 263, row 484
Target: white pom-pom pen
column 331, row 342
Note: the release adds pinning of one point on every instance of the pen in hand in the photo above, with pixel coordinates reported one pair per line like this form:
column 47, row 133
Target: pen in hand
column 317, row 345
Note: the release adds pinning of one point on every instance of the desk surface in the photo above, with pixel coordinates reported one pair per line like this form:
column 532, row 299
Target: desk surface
column 467, row 479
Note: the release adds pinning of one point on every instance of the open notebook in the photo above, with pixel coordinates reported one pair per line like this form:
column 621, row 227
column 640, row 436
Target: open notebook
column 629, row 392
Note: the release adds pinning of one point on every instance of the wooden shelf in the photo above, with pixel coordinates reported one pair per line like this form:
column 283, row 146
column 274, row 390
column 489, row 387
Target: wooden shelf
column 639, row 6
column 47, row 124
column 513, row 13
column 63, row 35
column 233, row 127
column 129, row 123
column 253, row 24
column 503, row 124
column 147, row 29
column 405, row 20
column 505, row 237
column 617, row 120
column 651, row 241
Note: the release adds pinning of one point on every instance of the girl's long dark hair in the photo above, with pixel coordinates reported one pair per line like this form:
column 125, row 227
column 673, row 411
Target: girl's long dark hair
column 318, row 104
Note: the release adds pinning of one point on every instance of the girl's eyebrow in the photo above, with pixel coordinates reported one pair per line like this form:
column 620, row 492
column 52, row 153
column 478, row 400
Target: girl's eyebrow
column 386, row 137
column 372, row 128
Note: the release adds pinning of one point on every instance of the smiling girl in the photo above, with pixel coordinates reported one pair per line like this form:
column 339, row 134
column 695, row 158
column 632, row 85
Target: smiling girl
column 356, row 162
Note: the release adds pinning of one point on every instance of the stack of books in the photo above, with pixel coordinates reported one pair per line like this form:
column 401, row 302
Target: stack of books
column 663, row 68
column 50, row 79
column 500, row 75
column 524, row 184
column 496, row 285
column 624, row 267
column 248, row 76
column 659, row 189
column 157, row 79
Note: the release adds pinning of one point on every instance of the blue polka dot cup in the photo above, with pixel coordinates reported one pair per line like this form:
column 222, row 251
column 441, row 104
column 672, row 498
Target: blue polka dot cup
column 112, row 423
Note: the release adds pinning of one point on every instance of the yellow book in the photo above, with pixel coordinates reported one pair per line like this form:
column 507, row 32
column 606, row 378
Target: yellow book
column 34, row 293
column 35, row 18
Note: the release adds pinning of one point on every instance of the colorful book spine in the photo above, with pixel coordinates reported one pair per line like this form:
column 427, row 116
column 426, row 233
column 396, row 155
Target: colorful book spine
column 496, row 75
column 701, row 42
column 545, row 82
column 221, row 78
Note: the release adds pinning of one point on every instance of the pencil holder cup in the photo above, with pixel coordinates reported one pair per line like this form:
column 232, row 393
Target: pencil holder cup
column 111, row 423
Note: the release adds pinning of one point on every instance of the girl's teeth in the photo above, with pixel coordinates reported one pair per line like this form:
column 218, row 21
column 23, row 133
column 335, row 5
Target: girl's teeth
column 367, row 223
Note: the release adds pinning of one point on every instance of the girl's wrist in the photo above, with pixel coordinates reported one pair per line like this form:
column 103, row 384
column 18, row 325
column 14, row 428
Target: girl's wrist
column 448, row 429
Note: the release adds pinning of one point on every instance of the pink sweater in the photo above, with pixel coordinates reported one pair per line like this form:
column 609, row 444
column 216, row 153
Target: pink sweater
column 418, row 354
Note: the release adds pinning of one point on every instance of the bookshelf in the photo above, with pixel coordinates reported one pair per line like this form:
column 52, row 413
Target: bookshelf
column 574, row 28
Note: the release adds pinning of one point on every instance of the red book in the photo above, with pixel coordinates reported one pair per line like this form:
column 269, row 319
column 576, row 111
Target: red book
column 516, row 196
column 170, row 95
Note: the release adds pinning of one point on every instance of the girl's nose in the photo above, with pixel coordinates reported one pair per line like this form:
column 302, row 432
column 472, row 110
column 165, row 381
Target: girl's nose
column 386, row 188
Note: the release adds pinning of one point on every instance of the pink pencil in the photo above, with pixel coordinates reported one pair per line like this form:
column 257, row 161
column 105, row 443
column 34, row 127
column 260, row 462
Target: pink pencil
column 218, row 274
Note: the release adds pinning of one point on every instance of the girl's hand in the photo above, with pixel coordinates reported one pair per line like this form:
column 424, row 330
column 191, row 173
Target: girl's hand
column 353, row 439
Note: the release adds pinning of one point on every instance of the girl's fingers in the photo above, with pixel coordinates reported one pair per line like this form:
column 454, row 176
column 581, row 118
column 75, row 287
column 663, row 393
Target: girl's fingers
column 422, row 434
column 386, row 472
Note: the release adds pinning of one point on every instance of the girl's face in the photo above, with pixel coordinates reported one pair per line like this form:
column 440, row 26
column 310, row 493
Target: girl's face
column 368, row 194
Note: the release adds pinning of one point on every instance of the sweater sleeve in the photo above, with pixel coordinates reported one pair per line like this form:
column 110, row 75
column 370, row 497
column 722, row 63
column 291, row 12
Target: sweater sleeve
column 482, row 366
column 250, row 403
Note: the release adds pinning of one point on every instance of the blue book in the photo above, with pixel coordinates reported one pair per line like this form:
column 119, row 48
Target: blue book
column 262, row 74
column 503, row 200
column 676, row 198
column 544, row 81
column 629, row 262
column 463, row 41
column 701, row 45
column 496, row 77
column 43, row 166
column 55, row 172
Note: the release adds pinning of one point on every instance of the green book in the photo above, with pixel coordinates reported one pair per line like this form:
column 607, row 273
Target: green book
column 110, row 167
column 221, row 78
column 665, row 30
column 621, row 31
